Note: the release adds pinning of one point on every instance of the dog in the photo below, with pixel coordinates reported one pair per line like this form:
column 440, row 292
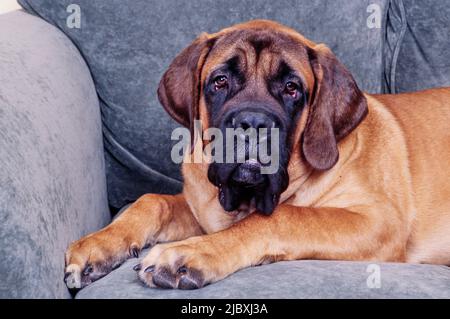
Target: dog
column 361, row 176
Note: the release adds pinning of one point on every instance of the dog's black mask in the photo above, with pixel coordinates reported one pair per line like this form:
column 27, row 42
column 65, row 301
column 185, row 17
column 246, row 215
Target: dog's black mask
column 236, row 98
column 244, row 182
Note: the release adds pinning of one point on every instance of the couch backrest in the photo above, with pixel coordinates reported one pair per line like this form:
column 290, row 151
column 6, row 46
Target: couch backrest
column 417, row 49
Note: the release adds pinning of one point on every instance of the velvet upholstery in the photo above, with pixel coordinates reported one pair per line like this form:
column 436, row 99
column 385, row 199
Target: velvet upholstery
column 417, row 50
column 293, row 279
column 52, row 171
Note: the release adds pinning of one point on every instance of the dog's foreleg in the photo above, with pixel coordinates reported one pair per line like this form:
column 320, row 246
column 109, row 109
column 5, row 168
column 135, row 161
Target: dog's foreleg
column 151, row 219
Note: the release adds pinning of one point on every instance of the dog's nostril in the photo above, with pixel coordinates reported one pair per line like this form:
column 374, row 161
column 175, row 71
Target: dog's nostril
column 256, row 120
column 245, row 125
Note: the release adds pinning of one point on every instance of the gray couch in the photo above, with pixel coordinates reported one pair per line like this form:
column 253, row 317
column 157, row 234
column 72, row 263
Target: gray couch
column 54, row 178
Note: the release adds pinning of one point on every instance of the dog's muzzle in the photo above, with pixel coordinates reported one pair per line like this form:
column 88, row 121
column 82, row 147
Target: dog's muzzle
column 243, row 180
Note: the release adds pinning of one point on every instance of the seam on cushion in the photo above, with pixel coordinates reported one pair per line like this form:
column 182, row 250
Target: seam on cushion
column 383, row 45
column 27, row 7
column 392, row 75
column 133, row 160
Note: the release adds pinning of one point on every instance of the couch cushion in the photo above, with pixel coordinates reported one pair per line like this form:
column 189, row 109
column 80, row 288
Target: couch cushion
column 294, row 279
column 52, row 171
column 129, row 43
column 418, row 46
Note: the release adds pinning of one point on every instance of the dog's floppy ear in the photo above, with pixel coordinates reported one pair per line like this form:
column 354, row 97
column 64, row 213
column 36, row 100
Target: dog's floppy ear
column 179, row 87
column 337, row 106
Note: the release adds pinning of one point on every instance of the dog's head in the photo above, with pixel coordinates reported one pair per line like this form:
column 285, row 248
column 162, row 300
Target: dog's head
column 263, row 75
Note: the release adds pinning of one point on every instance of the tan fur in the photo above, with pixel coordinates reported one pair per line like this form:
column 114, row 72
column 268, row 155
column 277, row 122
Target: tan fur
column 386, row 199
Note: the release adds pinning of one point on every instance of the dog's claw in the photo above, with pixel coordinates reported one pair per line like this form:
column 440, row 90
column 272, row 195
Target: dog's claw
column 89, row 269
column 137, row 267
column 134, row 251
column 182, row 270
column 149, row 269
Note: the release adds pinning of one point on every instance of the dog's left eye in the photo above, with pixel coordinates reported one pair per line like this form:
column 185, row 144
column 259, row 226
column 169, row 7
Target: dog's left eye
column 292, row 89
column 220, row 82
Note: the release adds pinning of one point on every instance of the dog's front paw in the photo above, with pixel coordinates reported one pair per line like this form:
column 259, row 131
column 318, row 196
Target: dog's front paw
column 94, row 256
column 187, row 264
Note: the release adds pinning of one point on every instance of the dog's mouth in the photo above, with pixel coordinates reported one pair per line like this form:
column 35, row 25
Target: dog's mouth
column 245, row 185
column 248, row 175
column 256, row 175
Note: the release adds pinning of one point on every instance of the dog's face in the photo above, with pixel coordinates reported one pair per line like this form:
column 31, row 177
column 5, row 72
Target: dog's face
column 262, row 75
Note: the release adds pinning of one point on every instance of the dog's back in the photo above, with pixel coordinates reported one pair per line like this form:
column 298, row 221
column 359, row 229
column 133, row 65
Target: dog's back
column 424, row 118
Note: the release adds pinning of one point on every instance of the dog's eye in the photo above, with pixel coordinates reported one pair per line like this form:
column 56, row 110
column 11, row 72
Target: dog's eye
column 292, row 89
column 220, row 82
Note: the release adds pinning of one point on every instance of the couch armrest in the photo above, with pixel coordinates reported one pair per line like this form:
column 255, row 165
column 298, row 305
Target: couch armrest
column 52, row 174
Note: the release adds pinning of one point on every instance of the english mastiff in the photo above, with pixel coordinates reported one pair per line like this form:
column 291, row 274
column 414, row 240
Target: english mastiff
column 360, row 177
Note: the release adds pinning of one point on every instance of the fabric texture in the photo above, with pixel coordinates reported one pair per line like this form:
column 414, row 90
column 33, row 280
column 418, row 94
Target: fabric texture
column 418, row 47
column 128, row 44
column 293, row 279
column 52, row 175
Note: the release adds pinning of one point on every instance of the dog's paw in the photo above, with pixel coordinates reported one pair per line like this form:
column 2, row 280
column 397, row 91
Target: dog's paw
column 187, row 264
column 94, row 256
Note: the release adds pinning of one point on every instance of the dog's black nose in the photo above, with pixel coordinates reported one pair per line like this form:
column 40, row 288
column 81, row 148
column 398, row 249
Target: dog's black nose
column 256, row 120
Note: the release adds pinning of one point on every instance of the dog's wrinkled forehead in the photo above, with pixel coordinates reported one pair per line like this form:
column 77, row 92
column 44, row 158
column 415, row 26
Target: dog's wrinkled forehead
column 259, row 51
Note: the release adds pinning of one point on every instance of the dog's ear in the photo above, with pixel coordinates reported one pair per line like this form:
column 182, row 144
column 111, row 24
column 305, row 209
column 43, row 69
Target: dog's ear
column 179, row 87
column 336, row 107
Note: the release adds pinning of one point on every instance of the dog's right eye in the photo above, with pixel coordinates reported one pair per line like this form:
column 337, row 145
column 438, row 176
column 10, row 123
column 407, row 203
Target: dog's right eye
column 292, row 89
column 220, row 82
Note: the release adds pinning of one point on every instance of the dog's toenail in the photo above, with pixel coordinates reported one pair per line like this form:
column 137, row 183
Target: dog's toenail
column 88, row 270
column 137, row 267
column 66, row 275
column 182, row 270
column 134, row 251
column 150, row 268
